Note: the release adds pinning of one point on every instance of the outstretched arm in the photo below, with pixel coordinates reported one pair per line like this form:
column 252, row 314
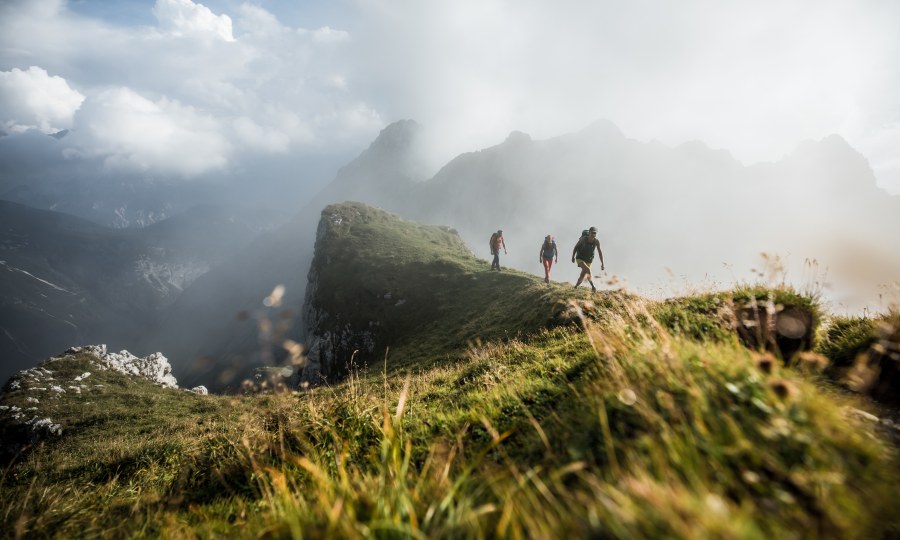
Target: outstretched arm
column 575, row 249
column 602, row 266
column 502, row 241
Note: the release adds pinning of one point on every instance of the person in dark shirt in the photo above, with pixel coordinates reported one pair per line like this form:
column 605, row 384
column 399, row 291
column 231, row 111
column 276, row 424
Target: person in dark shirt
column 583, row 256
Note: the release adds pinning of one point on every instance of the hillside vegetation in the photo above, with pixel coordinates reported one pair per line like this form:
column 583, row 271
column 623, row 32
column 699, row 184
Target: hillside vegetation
column 508, row 408
column 389, row 291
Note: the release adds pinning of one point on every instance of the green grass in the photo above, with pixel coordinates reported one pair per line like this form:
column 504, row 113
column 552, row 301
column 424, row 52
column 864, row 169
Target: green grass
column 506, row 408
column 606, row 431
column 757, row 316
column 845, row 338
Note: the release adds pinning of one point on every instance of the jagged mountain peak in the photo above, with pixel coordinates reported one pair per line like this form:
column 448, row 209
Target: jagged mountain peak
column 383, row 172
column 518, row 137
column 396, row 137
column 830, row 147
column 832, row 162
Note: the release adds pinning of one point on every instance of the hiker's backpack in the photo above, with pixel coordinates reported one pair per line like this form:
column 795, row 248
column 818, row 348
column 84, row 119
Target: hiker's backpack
column 493, row 241
column 584, row 249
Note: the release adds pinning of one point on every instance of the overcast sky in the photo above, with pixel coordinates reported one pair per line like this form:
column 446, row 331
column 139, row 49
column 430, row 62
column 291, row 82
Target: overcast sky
column 184, row 89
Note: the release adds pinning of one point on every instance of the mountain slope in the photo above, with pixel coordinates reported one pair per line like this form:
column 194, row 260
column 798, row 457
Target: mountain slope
column 624, row 418
column 66, row 281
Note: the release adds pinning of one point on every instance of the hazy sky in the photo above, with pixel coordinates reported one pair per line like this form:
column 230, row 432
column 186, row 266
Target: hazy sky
column 184, row 89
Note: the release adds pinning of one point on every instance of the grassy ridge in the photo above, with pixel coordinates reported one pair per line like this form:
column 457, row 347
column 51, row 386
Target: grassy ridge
column 420, row 290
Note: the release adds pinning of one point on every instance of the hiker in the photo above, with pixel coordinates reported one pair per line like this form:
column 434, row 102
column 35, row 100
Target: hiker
column 548, row 256
column 496, row 243
column 583, row 255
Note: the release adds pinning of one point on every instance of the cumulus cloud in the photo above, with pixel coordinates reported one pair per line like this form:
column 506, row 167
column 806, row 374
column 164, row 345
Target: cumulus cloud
column 185, row 17
column 33, row 99
column 131, row 132
column 191, row 95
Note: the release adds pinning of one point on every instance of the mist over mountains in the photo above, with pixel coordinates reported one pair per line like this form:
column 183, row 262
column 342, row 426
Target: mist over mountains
column 668, row 217
column 66, row 280
column 37, row 171
column 690, row 210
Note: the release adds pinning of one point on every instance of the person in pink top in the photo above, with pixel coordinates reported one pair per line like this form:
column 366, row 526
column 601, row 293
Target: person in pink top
column 548, row 255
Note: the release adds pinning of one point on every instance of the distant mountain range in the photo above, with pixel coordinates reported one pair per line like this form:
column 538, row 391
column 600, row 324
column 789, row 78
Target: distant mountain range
column 67, row 281
column 685, row 214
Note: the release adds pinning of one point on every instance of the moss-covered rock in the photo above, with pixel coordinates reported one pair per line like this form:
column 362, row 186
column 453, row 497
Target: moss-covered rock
column 778, row 320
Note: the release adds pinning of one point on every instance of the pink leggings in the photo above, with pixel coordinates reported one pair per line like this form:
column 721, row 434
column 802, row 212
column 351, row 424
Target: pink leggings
column 547, row 264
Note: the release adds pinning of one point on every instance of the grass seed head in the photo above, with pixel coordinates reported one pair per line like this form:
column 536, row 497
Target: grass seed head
column 785, row 390
column 766, row 363
column 810, row 362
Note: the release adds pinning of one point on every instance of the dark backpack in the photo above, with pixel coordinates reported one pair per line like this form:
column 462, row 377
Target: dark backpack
column 584, row 249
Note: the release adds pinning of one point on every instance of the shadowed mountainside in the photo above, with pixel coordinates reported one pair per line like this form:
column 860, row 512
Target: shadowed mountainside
column 66, row 281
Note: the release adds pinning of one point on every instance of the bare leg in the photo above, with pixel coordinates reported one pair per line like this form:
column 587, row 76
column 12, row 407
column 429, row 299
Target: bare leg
column 585, row 272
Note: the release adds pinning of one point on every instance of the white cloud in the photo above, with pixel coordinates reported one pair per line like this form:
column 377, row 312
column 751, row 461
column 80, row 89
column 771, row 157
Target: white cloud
column 183, row 17
column 329, row 35
column 255, row 19
column 266, row 139
column 133, row 133
column 227, row 95
column 32, row 99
